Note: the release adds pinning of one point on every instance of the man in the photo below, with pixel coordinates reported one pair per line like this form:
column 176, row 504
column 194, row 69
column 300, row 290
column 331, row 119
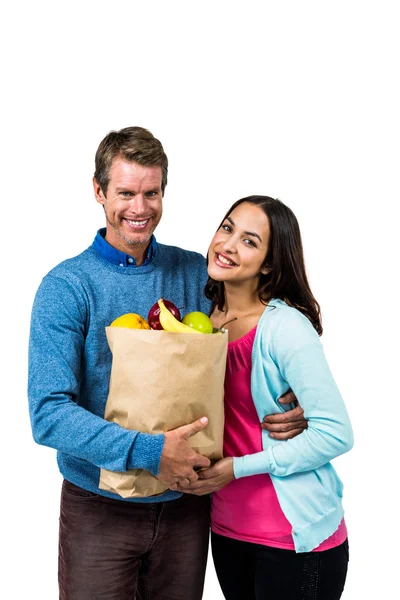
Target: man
column 110, row 547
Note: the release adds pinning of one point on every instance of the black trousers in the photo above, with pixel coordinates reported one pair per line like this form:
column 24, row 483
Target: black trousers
column 115, row 550
column 249, row 571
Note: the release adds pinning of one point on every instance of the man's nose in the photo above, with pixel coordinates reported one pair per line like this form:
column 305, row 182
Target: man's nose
column 138, row 204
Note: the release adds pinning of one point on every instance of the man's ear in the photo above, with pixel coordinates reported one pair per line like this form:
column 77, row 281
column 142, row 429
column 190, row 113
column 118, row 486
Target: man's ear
column 98, row 192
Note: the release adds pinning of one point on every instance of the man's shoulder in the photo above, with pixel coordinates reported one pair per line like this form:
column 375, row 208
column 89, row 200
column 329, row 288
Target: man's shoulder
column 74, row 267
column 183, row 256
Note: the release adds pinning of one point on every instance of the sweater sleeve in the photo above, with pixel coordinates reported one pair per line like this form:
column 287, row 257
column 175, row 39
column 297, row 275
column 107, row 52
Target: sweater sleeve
column 56, row 351
column 298, row 354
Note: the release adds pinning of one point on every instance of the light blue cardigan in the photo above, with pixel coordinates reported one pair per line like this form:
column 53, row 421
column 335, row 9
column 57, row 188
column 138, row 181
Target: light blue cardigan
column 287, row 353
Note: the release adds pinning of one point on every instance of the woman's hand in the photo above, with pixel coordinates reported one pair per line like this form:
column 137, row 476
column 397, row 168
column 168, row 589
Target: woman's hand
column 210, row 480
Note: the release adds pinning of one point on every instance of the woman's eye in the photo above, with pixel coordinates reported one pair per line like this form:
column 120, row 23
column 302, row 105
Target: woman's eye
column 249, row 242
column 226, row 228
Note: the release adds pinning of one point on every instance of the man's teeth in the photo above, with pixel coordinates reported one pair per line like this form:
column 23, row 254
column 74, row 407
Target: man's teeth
column 137, row 223
column 225, row 260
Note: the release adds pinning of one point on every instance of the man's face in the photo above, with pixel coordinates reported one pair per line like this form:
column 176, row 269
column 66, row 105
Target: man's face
column 132, row 205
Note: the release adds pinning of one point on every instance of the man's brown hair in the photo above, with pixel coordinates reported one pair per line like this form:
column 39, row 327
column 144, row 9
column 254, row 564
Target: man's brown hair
column 134, row 144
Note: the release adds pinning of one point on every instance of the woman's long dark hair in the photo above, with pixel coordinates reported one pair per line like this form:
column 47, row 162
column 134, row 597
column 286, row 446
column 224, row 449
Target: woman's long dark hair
column 287, row 278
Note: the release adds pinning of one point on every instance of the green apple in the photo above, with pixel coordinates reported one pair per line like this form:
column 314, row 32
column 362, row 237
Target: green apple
column 198, row 320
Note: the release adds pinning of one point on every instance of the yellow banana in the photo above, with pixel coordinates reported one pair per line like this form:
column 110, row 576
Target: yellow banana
column 170, row 323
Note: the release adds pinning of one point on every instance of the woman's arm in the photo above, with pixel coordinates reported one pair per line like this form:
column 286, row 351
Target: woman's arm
column 297, row 352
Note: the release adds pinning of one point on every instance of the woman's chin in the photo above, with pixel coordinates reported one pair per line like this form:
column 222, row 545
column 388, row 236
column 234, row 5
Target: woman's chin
column 217, row 275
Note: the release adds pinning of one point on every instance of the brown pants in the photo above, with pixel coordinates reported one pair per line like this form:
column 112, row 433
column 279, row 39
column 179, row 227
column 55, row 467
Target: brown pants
column 115, row 550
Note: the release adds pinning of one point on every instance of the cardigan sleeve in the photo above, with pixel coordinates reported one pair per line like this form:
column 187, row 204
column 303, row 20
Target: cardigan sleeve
column 298, row 354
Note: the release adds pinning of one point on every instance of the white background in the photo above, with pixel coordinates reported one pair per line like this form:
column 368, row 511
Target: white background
column 297, row 100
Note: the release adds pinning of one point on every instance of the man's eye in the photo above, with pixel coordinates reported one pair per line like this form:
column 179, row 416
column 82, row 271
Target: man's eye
column 151, row 194
column 126, row 194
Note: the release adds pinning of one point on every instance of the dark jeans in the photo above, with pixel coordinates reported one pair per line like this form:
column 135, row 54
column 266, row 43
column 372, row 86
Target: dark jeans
column 115, row 550
column 254, row 572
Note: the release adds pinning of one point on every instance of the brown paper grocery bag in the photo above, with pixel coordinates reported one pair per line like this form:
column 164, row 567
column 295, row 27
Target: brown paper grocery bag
column 159, row 381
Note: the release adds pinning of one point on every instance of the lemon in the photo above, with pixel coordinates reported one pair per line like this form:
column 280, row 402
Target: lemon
column 131, row 321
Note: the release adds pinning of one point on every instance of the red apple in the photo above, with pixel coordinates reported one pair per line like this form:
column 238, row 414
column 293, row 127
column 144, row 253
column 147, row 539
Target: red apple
column 153, row 317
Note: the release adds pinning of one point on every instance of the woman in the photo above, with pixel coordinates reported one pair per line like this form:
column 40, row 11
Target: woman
column 277, row 519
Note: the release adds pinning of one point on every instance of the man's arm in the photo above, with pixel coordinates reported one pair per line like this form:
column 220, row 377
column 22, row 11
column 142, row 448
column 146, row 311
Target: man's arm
column 57, row 342
column 286, row 425
column 56, row 349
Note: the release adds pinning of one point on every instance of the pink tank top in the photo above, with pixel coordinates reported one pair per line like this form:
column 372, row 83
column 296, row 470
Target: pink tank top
column 247, row 509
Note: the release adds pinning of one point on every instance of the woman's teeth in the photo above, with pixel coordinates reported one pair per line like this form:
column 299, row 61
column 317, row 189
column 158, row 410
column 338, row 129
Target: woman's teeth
column 225, row 260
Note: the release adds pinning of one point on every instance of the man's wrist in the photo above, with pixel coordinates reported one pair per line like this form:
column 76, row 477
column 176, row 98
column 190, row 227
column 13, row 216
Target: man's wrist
column 146, row 452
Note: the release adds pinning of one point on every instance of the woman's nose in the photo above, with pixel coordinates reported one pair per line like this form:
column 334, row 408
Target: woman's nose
column 230, row 245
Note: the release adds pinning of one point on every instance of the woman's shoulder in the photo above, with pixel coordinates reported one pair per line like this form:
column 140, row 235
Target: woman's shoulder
column 278, row 311
column 284, row 324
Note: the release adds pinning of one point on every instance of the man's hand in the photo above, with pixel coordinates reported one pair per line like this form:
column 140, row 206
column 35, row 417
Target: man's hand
column 178, row 458
column 210, row 480
column 286, row 425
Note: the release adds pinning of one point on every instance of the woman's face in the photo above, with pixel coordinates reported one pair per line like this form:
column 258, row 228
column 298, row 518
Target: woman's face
column 238, row 249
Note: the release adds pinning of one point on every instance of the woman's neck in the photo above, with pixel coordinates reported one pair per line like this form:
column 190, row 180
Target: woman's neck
column 241, row 301
column 242, row 311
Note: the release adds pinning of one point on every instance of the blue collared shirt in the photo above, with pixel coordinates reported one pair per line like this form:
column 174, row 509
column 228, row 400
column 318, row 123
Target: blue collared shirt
column 116, row 257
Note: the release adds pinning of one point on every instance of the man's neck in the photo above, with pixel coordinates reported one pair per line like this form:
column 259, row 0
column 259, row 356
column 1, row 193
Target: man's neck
column 137, row 251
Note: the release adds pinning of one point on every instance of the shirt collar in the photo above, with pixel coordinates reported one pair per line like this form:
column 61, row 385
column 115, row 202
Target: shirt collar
column 116, row 257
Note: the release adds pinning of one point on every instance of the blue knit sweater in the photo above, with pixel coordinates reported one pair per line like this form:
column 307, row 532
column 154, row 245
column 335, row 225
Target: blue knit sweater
column 70, row 361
